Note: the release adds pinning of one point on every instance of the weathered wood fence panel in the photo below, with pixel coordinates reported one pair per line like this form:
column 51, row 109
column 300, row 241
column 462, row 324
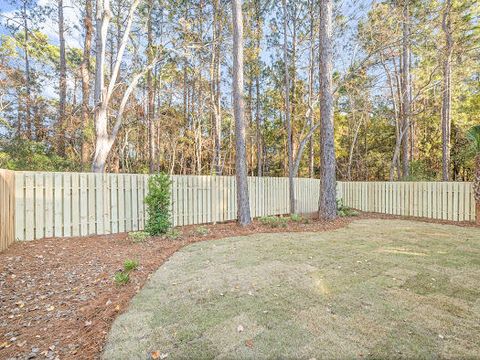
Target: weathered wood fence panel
column 436, row 200
column 7, row 208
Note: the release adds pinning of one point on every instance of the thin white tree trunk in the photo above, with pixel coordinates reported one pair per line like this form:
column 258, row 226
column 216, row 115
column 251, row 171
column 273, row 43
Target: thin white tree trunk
column 103, row 94
column 301, row 148
column 352, row 147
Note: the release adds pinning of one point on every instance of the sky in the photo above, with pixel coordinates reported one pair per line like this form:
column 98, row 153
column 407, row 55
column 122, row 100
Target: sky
column 352, row 10
column 49, row 27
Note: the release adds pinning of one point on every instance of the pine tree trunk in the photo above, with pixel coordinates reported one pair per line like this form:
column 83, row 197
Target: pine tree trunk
column 258, row 129
column 28, row 81
column 150, row 91
column 215, row 74
column 476, row 188
column 257, row 97
column 288, row 122
column 327, row 208
column 62, row 82
column 85, row 73
column 446, row 92
column 311, row 80
column 243, row 205
column 406, row 91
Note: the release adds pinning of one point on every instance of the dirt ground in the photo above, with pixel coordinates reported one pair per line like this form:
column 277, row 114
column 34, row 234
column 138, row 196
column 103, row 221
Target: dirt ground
column 58, row 298
column 374, row 289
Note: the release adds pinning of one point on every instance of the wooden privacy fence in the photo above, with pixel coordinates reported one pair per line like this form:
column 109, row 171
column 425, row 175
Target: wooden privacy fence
column 436, row 200
column 79, row 204
column 7, row 208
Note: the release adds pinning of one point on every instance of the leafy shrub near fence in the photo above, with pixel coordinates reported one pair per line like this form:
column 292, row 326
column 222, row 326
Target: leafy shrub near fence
column 158, row 205
column 343, row 210
column 274, row 221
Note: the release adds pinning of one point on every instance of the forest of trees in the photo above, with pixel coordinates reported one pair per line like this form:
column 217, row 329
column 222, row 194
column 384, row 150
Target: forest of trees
column 145, row 86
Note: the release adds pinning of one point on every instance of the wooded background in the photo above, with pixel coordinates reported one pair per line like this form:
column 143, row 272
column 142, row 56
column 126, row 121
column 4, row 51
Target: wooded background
column 406, row 86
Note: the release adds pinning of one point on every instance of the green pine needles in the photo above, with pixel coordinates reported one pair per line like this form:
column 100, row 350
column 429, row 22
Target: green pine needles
column 158, row 204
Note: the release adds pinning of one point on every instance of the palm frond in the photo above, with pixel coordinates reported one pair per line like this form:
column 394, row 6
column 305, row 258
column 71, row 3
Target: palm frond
column 474, row 136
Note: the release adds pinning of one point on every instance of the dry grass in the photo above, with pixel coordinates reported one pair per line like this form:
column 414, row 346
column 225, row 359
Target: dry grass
column 377, row 288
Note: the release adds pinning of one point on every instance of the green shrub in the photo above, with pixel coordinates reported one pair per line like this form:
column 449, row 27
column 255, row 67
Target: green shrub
column 21, row 154
column 274, row 221
column 202, row 230
column 173, row 234
column 130, row 265
column 138, row 236
column 299, row 218
column 122, row 278
column 158, row 205
column 345, row 211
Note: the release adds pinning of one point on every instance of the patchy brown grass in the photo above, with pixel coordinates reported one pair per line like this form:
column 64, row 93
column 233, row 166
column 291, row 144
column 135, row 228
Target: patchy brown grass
column 376, row 288
column 58, row 297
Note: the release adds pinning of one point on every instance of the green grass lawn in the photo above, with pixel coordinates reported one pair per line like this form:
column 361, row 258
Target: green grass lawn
column 375, row 289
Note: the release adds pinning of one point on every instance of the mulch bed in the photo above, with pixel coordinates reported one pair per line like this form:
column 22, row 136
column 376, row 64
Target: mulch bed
column 58, row 298
column 412, row 218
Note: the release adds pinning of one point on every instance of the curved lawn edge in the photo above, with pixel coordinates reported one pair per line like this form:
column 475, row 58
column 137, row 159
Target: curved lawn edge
column 195, row 304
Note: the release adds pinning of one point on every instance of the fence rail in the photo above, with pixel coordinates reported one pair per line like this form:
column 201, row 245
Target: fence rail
column 436, row 200
column 79, row 204
column 7, row 208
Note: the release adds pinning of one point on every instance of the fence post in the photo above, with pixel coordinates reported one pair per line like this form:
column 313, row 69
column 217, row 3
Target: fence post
column 7, row 206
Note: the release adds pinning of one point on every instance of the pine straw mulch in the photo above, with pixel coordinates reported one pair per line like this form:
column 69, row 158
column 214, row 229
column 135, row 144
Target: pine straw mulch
column 58, row 298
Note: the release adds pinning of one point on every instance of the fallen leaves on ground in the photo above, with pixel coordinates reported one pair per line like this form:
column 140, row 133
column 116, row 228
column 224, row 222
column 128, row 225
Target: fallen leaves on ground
column 58, row 297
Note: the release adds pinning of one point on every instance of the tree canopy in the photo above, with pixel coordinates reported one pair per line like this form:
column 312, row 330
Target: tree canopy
column 406, row 82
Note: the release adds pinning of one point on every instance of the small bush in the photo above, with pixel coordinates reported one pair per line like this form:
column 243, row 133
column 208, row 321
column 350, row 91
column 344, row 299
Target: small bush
column 130, row 265
column 274, row 221
column 202, row 230
column 138, row 236
column 158, row 205
column 299, row 218
column 345, row 211
column 173, row 234
column 122, row 278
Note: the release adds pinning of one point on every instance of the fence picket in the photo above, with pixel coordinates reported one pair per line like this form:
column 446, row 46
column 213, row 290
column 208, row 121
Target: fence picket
column 114, row 204
column 83, row 205
column 75, row 204
column 71, row 204
column 8, row 188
